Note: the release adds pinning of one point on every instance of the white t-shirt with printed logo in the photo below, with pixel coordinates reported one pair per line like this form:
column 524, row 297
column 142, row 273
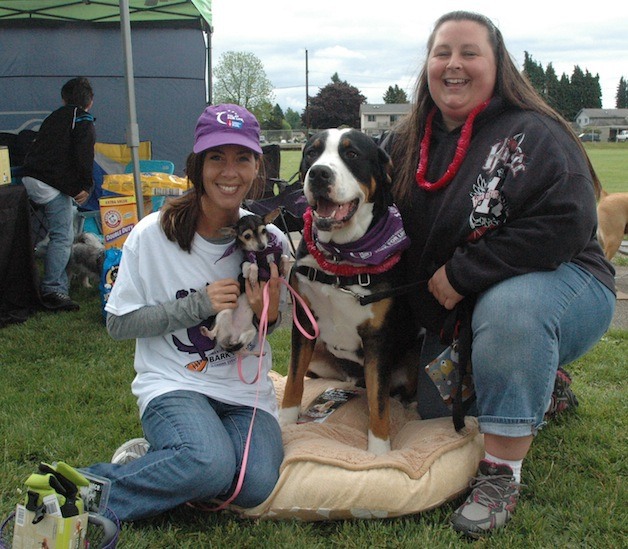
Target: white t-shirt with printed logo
column 154, row 270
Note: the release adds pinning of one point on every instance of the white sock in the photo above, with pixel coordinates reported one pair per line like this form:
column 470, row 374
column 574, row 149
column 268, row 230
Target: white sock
column 514, row 465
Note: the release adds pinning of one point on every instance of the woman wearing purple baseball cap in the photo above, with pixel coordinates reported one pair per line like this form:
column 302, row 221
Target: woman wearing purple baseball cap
column 174, row 278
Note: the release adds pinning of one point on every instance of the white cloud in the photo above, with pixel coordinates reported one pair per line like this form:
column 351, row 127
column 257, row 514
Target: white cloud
column 374, row 45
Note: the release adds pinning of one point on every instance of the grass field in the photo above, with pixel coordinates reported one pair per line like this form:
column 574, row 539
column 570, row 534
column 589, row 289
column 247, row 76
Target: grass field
column 610, row 161
column 65, row 395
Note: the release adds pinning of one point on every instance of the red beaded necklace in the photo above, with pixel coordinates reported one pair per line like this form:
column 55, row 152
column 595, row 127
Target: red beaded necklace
column 461, row 150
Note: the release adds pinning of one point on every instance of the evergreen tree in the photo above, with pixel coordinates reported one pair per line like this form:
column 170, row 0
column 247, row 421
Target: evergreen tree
column 395, row 95
column 552, row 87
column 568, row 107
column 592, row 92
column 535, row 74
column 263, row 112
column 621, row 99
column 567, row 97
column 293, row 118
column 275, row 120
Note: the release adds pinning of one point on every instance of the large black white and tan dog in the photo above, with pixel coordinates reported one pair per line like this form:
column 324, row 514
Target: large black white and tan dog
column 346, row 267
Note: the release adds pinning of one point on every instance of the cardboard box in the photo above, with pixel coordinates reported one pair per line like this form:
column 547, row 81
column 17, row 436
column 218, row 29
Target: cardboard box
column 51, row 532
column 118, row 215
column 5, row 166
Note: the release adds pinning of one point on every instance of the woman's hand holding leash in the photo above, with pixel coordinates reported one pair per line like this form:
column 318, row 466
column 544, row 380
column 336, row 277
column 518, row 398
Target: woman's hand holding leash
column 442, row 290
column 255, row 294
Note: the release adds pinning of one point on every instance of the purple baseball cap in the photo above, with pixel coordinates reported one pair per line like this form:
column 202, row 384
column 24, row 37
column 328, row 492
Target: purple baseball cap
column 226, row 124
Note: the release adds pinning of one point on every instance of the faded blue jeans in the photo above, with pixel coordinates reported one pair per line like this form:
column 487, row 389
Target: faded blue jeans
column 59, row 213
column 523, row 329
column 196, row 449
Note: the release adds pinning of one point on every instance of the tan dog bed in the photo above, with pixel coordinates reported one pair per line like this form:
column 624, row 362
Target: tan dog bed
column 327, row 473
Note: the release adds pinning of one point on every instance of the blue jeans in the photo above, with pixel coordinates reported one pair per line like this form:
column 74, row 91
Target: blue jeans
column 60, row 215
column 523, row 329
column 196, row 449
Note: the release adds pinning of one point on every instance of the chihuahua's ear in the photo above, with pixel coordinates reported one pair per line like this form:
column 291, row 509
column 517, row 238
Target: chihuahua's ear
column 271, row 216
column 229, row 231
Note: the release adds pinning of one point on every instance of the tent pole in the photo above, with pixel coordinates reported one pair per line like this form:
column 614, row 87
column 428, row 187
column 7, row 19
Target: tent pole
column 132, row 132
column 209, row 30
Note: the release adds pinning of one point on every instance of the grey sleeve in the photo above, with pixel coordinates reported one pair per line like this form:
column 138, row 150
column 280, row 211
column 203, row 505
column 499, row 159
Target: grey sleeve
column 155, row 320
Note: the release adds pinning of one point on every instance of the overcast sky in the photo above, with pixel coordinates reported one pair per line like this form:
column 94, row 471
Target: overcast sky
column 374, row 45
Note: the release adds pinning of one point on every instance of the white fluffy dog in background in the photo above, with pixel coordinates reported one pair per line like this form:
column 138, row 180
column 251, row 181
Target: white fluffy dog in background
column 86, row 260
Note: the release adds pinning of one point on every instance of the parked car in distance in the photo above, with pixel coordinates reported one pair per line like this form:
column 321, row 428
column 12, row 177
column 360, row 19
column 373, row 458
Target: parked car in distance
column 589, row 136
column 622, row 136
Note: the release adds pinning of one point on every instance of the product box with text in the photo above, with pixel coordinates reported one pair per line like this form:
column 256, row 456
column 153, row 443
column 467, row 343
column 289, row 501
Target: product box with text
column 51, row 532
column 118, row 215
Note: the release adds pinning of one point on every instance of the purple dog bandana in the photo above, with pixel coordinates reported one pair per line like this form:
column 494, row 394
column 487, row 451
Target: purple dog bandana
column 386, row 238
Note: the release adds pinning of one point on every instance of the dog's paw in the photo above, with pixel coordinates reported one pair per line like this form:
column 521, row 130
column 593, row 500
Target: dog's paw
column 253, row 273
column 205, row 331
column 284, row 266
column 378, row 446
column 241, row 342
column 288, row 416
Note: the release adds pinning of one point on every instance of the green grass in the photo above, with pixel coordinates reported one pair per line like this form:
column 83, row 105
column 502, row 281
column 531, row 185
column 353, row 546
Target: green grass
column 610, row 161
column 65, row 394
column 290, row 160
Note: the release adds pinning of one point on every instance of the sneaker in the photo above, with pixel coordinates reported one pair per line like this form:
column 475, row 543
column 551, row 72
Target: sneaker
column 131, row 450
column 494, row 495
column 56, row 301
column 563, row 397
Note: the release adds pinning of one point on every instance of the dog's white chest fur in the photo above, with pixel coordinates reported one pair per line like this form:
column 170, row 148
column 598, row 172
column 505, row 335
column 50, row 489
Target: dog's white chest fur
column 339, row 315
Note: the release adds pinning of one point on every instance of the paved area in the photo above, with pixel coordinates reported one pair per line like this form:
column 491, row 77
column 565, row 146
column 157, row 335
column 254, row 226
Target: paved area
column 620, row 320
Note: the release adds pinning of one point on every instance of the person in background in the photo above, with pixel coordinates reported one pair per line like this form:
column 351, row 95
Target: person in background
column 196, row 401
column 58, row 172
column 498, row 198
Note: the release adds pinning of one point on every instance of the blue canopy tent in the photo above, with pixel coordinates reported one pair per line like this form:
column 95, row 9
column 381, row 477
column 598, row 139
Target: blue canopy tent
column 44, row 43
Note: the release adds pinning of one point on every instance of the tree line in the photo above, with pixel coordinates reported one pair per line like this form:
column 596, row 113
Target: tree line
column 240, row 78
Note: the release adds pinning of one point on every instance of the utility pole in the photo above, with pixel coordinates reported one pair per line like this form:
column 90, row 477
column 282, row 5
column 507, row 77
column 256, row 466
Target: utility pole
column 307, row 101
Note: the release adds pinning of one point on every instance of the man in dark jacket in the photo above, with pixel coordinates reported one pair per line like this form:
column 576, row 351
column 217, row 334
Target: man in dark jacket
column 58, row 170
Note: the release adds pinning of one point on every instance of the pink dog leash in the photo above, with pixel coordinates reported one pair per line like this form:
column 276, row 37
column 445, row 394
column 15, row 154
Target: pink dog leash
column 263, row 325
column 263, row 331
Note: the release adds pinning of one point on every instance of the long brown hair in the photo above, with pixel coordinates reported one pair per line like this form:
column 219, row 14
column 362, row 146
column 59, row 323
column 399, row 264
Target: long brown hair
column 180, row 215
column 510, row 84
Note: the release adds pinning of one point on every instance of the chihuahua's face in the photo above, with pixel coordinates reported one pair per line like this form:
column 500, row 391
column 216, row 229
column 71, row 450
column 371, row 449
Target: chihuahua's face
column 251, row 233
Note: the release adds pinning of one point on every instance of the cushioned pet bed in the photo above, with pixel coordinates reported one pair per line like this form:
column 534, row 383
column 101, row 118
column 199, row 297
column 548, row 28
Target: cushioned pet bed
column 328, row 474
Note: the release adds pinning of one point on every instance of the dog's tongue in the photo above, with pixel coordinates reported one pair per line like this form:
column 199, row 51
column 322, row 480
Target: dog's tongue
column 327, row 208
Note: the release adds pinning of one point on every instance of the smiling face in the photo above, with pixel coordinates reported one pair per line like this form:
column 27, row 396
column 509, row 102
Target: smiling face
column 228, row 173
column 461, row 69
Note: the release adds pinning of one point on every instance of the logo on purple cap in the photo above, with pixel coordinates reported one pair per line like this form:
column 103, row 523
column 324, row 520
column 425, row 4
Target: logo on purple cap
column 230, row 118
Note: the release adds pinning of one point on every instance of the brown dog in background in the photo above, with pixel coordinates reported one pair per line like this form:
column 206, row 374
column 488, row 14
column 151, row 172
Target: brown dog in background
column 612, row 213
